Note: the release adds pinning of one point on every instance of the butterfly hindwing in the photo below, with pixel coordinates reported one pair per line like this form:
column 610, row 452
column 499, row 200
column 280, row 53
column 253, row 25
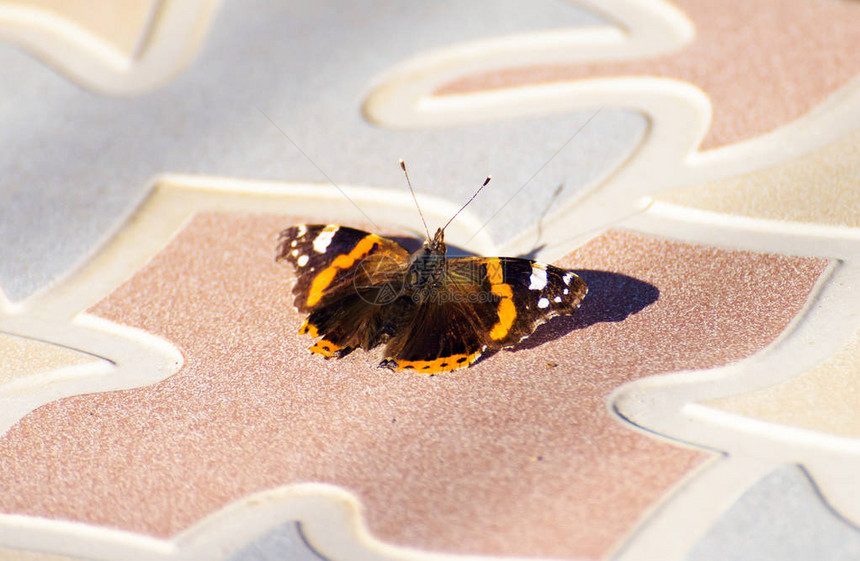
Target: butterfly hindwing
column 483, row 303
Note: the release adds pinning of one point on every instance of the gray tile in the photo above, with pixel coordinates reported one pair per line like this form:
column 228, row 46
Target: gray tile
column 781, row 518
column 77, row 164
column 285, row 543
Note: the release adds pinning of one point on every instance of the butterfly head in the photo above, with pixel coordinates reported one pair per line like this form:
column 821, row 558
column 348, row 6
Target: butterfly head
column 437, row 244
column 432, row 253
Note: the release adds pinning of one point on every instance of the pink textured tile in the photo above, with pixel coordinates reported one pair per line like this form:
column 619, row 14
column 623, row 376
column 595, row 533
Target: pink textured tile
column 763, row 63
column 516, row 455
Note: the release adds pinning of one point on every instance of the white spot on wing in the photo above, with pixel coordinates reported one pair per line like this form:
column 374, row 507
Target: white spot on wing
column 566, row 292
column 537, row 281
column 543, row 303
column 567, row 278
column 324, row 238
column 302, row 230
column 295, row 253
column 302, row 261
column 557, row 299
column 293, row 243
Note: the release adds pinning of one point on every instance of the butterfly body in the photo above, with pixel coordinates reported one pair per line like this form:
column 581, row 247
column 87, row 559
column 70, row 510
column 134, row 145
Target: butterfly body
column 434, row 314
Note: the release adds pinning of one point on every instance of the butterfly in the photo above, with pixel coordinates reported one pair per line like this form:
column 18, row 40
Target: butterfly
column 433, row 313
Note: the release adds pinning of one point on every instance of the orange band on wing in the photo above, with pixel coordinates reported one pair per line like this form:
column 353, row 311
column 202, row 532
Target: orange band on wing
column 326, row 276
column 506, row 310
column 308, row 328
column 325, row 347
column 443, row 364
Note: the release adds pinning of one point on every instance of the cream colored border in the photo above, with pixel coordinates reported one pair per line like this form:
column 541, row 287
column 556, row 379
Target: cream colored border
column 403, row 96
column 129, row 358
column 175, row 198
column 332, row 524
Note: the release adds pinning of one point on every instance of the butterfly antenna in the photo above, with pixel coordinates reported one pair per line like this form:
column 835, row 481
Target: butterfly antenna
column 414, row 198
column 489, row 177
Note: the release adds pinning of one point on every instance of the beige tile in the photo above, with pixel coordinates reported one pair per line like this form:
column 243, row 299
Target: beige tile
column 821, row 188
column 18, row 555
column 823, row 399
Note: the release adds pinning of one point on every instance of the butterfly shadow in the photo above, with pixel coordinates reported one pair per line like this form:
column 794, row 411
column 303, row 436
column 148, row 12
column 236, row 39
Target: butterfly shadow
column 612, row 297
column 412, row 245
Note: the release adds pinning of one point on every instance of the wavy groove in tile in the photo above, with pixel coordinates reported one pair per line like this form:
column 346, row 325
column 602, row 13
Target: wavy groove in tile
column 124, row 48
column 249, row 411
column 673, row 405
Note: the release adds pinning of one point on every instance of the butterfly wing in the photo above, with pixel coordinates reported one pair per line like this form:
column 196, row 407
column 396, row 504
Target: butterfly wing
column 332, row 261
column 347, row 281
column 531, row 293
column 484, row 303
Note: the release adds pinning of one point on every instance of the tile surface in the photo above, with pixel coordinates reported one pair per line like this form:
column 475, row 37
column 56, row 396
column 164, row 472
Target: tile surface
column 822, row 399
column 493, row 439
column 695, row 162
column 820, row 188
column 23, row 358
column 285, row 542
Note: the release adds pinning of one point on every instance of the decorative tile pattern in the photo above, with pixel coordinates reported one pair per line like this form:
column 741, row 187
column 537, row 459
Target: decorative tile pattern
column 105, row 173
column 120, row 25
column 822, row 399
column 696, row 164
